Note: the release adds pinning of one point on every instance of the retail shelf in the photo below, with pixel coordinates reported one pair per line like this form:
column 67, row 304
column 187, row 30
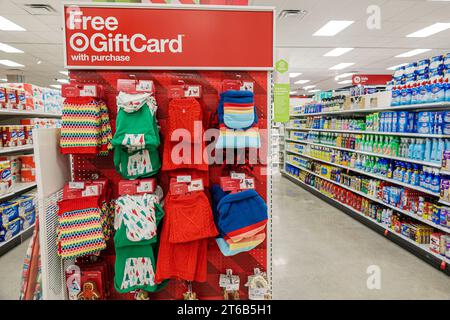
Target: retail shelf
column 447, row 203
column 11, row 112
column 19, row 187
column 424, row 248
column 386, row 108
column 446, row 172
column 374, row 199
column 425, row 163
column 401, row 134
column 4, row 243
column 376, row 176
column 294, row 140
column 298, row 129
column 16, row 149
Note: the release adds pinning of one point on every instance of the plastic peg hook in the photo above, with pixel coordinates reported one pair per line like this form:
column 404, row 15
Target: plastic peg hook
column 443, row 265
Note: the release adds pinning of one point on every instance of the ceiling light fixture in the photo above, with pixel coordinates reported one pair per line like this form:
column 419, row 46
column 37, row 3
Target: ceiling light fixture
column 412, row 53
column 315, row 90
column 302, row 81
column 66, row 73
column 397, row 66
column 337, row 52
column 309, row 87
column 294, row 74
column 344, row 75
column 3, row 79
column 341, row 66
column 7, row 25
column 10, row 63
column 345, row 82
column 56, row 86
column 9, row 49
column 65, row 81
column 332, row 28
column 430, row 30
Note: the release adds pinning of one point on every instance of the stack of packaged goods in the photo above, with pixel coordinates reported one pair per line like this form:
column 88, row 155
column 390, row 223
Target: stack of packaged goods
column 17, row 214
column 29, row 97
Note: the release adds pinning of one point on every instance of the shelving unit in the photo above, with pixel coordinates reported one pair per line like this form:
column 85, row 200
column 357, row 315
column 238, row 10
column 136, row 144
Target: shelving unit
column 421, row 250
column 8, row 116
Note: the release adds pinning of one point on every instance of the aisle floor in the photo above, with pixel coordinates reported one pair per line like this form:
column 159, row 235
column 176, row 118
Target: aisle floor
column 11, row 264
column 319, row 252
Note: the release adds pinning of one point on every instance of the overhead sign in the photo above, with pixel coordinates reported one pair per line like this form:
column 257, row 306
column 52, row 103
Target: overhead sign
column 371, row 79
column 137, row 36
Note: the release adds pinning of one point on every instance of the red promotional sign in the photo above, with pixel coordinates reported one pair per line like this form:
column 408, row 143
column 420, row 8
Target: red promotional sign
column 130, row 36
column 371, row 79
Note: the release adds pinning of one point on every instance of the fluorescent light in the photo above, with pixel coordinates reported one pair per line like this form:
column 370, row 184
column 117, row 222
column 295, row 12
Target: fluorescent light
column 302, row 81
column 337, row 52
column 10, row 63
column 315, row 90
column 332, row 28
column 430, row 30
column 56, row 86
column 8, row 49
column 294, row 75
column 62, row 81
column 341, row 66
column 7, row 25
column 397, row 66
column 343, row 75
column 292, row 92
column 309, row 87
column 66, row 73
column 345, row 82
column 411, row 53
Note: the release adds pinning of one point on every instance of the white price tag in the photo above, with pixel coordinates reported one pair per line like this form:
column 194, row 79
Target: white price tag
column 247, row 86
column 76, row 185
column 88, row 91
column 232, row 287
column 90, row 191
column 196, row 185
column 184, row 179
column 145, row 187
column 237, row 176
column 257, row 293
column 145, row 85
column 247, row 184
column 192, row 92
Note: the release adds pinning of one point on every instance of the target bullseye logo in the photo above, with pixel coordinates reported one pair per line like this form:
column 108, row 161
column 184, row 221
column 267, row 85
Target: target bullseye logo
column 357, row 79
column 79, row 42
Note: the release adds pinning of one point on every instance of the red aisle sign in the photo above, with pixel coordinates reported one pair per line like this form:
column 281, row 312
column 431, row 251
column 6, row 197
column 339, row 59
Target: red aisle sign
column 371, row 79
column 168, row 37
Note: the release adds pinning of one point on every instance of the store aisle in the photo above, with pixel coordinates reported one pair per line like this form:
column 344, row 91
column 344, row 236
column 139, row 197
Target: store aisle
column 11, row 265
column 319, row 252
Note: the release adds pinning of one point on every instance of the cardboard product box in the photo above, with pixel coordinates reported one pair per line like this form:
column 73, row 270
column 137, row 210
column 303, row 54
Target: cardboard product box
column 52, row 100
column 10, row 229
column 358, row 102
column 347, row 103
column 378, row 100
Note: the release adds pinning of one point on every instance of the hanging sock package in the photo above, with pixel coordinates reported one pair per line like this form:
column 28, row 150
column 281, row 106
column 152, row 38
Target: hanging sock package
column 80, row 229
column 241, row 219
column 238, row 121
column 136, row 140
column 136, row 221
column 185, row 126
column 186, row 229
column 85, row 127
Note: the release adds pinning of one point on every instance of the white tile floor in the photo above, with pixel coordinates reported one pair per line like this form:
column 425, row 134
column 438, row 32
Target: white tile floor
column 318, row 253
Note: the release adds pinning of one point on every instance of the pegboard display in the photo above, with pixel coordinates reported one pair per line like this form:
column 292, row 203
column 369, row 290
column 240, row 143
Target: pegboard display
column 92, row 167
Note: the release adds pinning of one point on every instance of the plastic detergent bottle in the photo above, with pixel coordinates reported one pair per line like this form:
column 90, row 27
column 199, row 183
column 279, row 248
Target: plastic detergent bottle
column 375, row 145
column 427, row 154
column 390, row 172
column 422, row 177
column 440, row 150
column 428, row 178
column 436, row 181
column 415, row 179
column 420, row 147
column 403, row 171
column 434, row 150
column 411, row 149
column 395, row 146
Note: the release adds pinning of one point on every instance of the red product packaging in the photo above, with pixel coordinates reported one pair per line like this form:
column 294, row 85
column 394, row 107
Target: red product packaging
column 28, row 131
column 3, row 98
column 21, row 99
column 27, row 161
column 7, row 136
column 12, row 98
column 141, row 186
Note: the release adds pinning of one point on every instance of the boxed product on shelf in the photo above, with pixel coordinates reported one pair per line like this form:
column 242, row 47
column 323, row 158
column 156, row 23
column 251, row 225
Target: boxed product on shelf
column 33, row 98
column 10, row 229
column 6, row 183
column 39, row 123
column 52, row 100
column 9, row 211
column 15, row 136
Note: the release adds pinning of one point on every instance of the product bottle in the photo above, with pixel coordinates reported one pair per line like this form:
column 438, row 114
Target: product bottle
column 415, row 180
column 434, row 150
column 440, row 150
column 428, row 179
column 436, row 181
column 411, row 149
column 422, row 177
column 427, row 155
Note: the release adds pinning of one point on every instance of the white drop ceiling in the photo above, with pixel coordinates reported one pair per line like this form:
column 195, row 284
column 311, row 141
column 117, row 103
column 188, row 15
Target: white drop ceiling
column 375, row 50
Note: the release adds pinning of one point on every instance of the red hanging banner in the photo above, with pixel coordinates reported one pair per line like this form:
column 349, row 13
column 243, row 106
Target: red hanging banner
column 129, row 36
column 371, row 79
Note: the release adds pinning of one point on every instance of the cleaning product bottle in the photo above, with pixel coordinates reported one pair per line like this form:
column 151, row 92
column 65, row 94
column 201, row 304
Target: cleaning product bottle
column 395, row 147
column 422, row 177
column 434, row 150
column 415, row 179
column 436, row 181
column 420, row 150
column 411, row 149
column 440, row 151
column 427, row 154
column 428, row 179
column 408, row 173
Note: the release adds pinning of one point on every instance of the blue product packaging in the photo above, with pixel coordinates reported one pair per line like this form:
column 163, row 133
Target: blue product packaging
column 28, row 219
column 436, row 64
column 394, row 126
column 424, row 127
column 423, row 67
column 395, row 97
column 26, row 203
column 425, row 116
column 10, row 230
column 10, row 210
column 446, row 128
column 403, row 120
